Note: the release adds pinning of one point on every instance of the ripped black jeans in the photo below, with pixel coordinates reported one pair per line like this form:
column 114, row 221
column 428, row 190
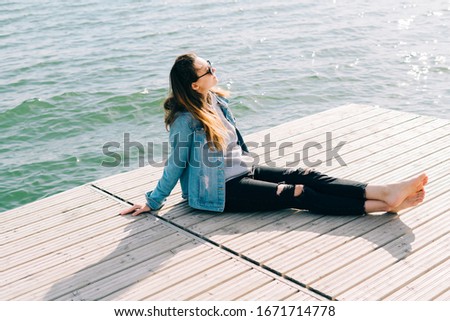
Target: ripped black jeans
column 322, row 194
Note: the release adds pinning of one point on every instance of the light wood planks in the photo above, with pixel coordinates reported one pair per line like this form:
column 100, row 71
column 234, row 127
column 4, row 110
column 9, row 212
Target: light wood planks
column 74, row 246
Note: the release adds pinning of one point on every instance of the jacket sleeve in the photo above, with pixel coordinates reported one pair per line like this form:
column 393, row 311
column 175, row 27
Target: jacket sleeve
column 181, row 136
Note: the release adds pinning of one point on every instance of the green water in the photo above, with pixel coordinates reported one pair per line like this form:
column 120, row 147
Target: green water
column 75, row 76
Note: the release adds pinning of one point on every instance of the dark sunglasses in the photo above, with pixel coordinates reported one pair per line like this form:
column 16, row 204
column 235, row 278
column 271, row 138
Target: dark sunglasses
column 209, row 70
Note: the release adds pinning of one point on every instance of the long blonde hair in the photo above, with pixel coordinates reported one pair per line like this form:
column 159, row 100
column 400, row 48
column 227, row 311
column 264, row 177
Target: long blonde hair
column 183, row 97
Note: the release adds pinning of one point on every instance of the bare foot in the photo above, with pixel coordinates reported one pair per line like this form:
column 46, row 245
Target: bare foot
column 410, row 201
column 396, row 193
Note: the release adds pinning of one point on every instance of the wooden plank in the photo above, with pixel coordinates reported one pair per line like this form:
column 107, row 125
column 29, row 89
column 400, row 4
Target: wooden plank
column 426, row 287
column 379, row 132
column 138, row 189
column 401, row 273
column 111, row 286
column 320, row 121
column 273, row 291
column 386, row 236
column 383, row 153
column 74, row 274
column 298, row 253
column 111, row 183
column 394, row 160
column 48, row 242
column 54, row 254
column 254, row 230
column 54, row 234
column 378, row 128
column 304, row 255
column 360, row 259
column 235, row 288
column 312, row 240
column 443, row 297
column 62, row 249
column 411, row 133
column 169, row 277
column 50, row 223
column 302, row 296
column 201, row 282
column 39, row 207
column 207, row 222
column 299, row 138
column 404, row 170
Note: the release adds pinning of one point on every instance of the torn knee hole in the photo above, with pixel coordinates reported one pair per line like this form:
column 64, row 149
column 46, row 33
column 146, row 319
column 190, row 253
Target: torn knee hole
column 289, row 190
column 281, row 188
column 307, row 171
column 298, row 190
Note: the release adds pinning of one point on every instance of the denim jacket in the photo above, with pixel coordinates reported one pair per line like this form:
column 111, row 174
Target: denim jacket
column 199, row 169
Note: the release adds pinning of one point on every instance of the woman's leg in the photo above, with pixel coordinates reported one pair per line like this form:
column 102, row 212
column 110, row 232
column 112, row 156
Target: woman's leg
column 380, row 206
column 394, row 194
column 318, row 181
column 391, row 194
column 379, row 198
column 247, row 194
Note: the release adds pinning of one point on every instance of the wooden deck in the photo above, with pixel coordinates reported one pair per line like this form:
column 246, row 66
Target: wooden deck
column 75, row 246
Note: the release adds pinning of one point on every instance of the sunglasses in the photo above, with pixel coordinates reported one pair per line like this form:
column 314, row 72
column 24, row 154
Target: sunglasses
column 210, row 71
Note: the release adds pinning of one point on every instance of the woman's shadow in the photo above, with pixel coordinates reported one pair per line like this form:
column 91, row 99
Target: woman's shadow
column 153, row 246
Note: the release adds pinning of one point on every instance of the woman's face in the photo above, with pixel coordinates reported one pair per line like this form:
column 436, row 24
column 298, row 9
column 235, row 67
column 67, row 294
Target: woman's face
column 207, row 78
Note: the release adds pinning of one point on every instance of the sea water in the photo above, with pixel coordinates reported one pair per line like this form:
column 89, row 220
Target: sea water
column 76, row 75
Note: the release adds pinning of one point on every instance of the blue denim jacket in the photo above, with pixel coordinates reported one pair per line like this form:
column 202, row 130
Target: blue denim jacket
column 200, row 170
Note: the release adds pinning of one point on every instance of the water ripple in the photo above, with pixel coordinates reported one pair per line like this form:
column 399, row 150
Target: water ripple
column 75, row 75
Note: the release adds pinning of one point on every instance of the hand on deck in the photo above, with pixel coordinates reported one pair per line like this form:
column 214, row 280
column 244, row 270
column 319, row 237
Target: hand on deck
column 136, row 210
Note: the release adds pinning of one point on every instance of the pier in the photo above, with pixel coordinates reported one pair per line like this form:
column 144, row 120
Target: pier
column 75, row 246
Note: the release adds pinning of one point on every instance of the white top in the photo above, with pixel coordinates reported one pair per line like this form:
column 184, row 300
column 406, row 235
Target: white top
column 236, row 163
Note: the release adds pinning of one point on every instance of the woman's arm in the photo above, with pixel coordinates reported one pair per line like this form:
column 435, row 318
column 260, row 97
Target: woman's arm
column 181, row 135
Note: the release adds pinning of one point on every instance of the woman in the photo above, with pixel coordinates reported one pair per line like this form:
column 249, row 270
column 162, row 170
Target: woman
column 211, row 161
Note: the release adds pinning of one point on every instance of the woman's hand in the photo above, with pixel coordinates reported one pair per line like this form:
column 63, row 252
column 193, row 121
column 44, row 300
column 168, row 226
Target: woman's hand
column 136, row 210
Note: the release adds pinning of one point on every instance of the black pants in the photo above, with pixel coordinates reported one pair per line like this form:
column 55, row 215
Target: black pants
column 321, row 194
